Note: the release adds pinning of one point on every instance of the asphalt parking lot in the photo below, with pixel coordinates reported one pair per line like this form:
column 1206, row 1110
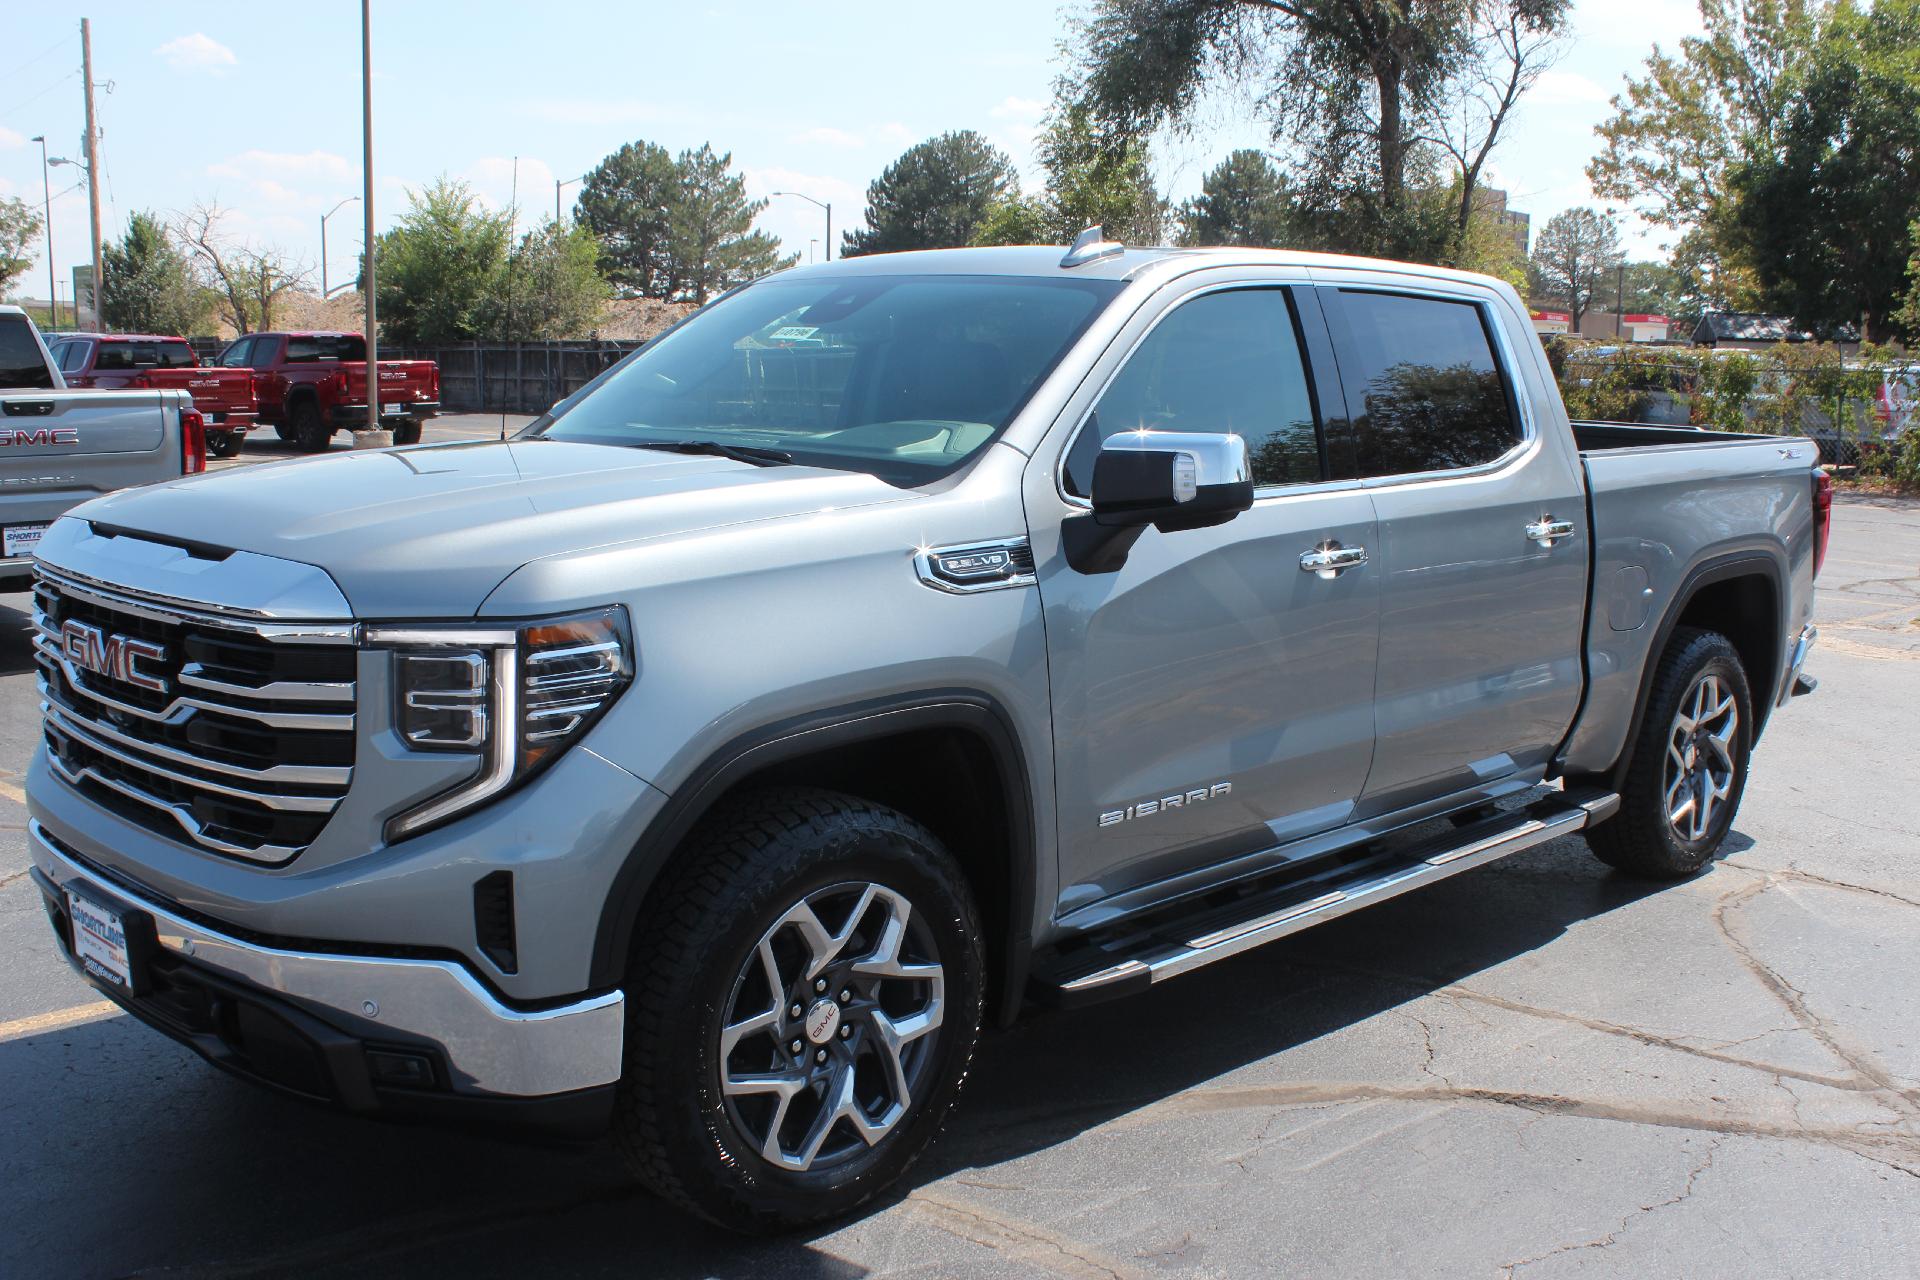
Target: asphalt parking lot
column 1537, row 1069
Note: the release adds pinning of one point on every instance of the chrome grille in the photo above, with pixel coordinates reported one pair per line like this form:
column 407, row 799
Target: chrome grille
column 247, row 749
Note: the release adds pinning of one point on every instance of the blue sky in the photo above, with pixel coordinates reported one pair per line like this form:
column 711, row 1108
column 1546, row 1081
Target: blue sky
column 258, row 105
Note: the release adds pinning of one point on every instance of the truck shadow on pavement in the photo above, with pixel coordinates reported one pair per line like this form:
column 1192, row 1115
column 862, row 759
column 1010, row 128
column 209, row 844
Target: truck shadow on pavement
column 132, row 1156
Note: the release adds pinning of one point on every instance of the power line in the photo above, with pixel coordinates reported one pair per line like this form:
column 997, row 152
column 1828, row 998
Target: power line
column 27, row 102
column 18, row 67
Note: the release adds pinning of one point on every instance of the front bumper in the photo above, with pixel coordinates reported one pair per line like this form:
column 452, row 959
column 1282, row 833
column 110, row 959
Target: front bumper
column 372, row 1033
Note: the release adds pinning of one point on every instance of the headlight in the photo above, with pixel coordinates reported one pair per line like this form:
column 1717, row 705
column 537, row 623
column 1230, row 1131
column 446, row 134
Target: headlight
column 519, row 694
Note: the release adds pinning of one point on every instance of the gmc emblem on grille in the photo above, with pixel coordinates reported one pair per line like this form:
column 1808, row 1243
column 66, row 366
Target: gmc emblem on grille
column 115, row 657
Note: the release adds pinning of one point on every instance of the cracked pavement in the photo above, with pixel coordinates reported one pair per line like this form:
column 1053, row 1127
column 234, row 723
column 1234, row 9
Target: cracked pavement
column 1534, row 1070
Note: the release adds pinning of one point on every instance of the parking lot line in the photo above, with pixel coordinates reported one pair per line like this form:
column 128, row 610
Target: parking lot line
column 40, row 1023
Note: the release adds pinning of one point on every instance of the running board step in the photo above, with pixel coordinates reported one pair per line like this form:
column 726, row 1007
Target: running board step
column 1156, row 953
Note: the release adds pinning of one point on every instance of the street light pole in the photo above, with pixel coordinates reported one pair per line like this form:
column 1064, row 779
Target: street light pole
column 46, row 196
column 93, row 167
column 821, row 204
column 366, row 198
column 558, row 183
column 323, row 240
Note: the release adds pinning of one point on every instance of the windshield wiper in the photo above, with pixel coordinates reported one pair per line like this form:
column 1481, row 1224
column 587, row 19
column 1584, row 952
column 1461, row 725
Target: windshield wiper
column 738, row 452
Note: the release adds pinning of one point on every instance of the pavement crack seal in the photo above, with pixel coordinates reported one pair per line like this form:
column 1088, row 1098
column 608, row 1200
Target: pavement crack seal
column 1015, row 1240
column 1875, row 1078
column 1602, row 1242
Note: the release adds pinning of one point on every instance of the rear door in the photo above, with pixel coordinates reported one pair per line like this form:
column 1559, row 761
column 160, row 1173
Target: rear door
column 1211, row 700
column 1481, row 550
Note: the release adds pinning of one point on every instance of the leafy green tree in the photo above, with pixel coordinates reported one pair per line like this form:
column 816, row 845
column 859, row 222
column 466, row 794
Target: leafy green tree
column 1091, row 182
column 149, row 285
column 935, row 196
column 627, row 203
column 554, row 288
column 441, row 267
column 1909, row 315
column 1352, row 90
column 1571, row 255
column 19, row 227
column 711, row 240
column 1825, row 213
column 1677, row 129
column 1243, row 200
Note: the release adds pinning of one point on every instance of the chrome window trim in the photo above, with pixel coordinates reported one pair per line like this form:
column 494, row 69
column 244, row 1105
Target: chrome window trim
column 169, row 609
column 1262, row 493
column 1524, row 449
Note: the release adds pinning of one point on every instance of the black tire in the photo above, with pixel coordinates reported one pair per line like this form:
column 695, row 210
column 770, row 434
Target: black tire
column 1641, row 839
column 284, row 431
column 224, row 444
column 743, row 871
column 310, row 432
column 407, row 432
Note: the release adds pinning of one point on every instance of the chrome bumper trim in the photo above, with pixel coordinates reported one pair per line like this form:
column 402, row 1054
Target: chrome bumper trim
column 1803, row 646
column 489, row 1047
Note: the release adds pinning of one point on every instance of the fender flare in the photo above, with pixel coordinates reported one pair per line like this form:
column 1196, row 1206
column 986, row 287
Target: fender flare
column 968, row 710
column 1719, row 568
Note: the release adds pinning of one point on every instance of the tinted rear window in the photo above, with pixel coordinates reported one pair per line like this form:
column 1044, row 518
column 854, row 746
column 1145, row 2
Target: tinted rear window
column 325, row 347
column 143, row 355
column 1423, row 385
column 21, row 363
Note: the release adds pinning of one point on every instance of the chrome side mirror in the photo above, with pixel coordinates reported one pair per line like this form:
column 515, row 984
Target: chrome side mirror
column 1171, row 480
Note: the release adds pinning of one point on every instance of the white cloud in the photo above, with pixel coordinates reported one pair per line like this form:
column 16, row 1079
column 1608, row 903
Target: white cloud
column 285, row 166
column 9, row 139
column 197, row 52
column 1015, row 108
column 894, row 131
column 583, row 111
column 1557, row 88
column 1636, row 24
column 827, row 136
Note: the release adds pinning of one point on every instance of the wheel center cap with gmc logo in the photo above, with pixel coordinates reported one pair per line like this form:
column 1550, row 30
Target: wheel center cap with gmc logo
column 822, row 1021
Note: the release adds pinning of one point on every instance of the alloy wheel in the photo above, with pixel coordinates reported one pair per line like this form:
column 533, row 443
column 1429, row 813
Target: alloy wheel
column 831, row 1026
column 1700, row 767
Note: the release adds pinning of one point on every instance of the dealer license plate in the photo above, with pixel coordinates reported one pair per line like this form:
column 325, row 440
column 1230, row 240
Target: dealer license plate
column 100, row 941
column 393, row 410
column 19, row 540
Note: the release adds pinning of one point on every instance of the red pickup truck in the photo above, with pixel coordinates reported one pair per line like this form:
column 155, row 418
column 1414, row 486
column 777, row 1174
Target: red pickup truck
column 123, row 361
column 309, row 385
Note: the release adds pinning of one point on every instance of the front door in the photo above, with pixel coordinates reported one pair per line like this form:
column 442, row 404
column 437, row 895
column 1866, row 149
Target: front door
column 1481, row 554
column 1211, row 698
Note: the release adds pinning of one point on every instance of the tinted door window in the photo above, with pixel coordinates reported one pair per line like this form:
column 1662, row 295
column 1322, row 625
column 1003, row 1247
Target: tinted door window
column 1423, row 383
column 326, row 346
column 1224, row 362
column 237, row 356
column 72, row 356
column 21, row 363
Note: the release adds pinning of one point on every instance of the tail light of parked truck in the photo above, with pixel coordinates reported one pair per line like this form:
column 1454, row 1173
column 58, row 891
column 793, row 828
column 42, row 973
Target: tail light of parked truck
column 193, row 442
column 1822, row 516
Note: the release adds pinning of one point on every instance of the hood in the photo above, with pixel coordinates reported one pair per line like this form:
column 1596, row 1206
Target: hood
column 430, row 531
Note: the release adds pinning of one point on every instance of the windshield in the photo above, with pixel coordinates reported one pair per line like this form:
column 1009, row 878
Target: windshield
column 905, row 377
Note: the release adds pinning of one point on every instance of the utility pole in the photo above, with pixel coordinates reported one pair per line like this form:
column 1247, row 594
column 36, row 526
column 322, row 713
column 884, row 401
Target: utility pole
column 93, row 161
column 366, row 199
column 46, row 205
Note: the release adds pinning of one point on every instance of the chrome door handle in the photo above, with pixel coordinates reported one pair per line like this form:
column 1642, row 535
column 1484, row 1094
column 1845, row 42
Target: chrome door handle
column 1548, row 531
column 1329, row 560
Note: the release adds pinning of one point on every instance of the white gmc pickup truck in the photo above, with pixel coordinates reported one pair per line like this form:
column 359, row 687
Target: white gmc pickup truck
column 59, row 447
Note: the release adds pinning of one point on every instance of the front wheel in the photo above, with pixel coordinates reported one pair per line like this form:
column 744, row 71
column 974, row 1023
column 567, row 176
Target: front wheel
column 1689, row 766
column 802, row 1009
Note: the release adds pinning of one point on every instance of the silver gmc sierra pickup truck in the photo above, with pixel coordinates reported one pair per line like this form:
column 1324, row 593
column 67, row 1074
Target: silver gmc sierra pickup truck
column 894, row 643
column 59, row 447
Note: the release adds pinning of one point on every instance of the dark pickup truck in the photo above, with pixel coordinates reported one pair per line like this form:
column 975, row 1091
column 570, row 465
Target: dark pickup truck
column 135, row 361
column 309, row 385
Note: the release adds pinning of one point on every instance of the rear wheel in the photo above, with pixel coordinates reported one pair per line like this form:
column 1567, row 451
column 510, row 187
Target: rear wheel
column 1689, row 766
column 311, row 434
column 224, row 444
column 801, row 1010
column 407, row 432
column 283, row 430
